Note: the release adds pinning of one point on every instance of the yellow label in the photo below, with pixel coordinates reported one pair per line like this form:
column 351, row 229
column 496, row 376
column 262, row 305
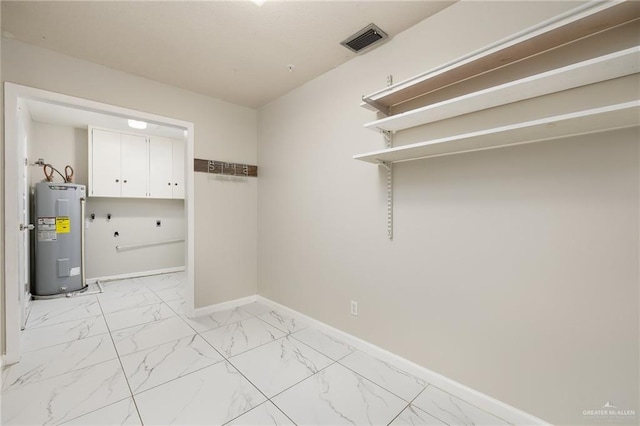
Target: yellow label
column 63, row 225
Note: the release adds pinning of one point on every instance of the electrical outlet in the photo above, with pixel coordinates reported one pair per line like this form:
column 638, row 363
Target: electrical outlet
column 354, row 308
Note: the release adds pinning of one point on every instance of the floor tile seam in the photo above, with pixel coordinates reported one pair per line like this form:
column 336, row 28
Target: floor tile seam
column 220, row 326
column 248, row 350
column 461, row 399
column 136, row 393
column 418, row 408
column 124, row 374
column 142, row 323
column 158, row 345
column 60, row 374
column 62, row 343
column 317, row 350
column 134, row 307
column 379, row 385
column 300, row 381
column 147, row 323
column 284, row 331
column 93, row 411
column 28, row 327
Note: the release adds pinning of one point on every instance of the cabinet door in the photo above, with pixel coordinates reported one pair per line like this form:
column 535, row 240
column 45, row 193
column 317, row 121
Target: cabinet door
column 178, row 169
column 160, row 168
column 105, row 164
column 135, row 166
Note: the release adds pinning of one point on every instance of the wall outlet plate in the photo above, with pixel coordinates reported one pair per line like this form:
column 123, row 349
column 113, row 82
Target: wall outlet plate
column 354, row 308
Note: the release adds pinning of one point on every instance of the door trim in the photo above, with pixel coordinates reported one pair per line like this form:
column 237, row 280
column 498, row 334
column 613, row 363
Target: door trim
column 12, row 94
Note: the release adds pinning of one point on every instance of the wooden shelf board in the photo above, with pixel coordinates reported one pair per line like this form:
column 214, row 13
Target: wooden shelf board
column 595, row 120
column 602, row 68
column 581, row 22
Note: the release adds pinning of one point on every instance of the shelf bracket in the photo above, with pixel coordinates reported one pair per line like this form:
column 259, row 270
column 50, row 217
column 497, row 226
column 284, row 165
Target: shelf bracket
column 385, row 164
column 377, row 105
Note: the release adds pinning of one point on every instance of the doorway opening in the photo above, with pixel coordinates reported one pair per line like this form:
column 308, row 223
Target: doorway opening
column 76, row 115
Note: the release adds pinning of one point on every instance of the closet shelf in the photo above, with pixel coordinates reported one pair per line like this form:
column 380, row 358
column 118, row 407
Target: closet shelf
column 589, row 19
column 606, row 67
column 589, row 121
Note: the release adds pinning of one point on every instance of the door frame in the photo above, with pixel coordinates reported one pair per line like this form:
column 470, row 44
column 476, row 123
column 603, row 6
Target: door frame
column 13, row 93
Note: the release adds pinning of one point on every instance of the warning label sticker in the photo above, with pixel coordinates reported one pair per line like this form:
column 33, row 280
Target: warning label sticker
column 47, row 229
column 63, row 225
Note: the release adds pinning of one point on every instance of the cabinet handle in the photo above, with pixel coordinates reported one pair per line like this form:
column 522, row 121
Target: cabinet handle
column 117, row 180
column 175, row 184
column 169, row 183
column 125, row 181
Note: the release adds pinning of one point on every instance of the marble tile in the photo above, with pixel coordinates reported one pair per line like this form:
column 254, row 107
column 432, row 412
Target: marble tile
column 415, row 416
column 323, row 343
column 338, row 396
column 120, row 288
column 178, row 306
column 137, row 316
column 133, row 339
column 256, row 308
column 283, row 322
column 65, row 397
column 53, row 361
column 264, row 414
column 160, row 364
column 114, row 304
column 241, row 336
column 386, row 375
column 217, row 319
column 211, row 396
column 162, row 281
column 280, row 364
column 172, row 293
column 56, row 311
column 453, row 410
column 122, row 413
column 42, row 337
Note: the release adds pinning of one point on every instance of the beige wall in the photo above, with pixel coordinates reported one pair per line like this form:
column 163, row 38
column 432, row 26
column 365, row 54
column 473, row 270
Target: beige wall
column 222, row 131
column 513, row 271
column 133, row 219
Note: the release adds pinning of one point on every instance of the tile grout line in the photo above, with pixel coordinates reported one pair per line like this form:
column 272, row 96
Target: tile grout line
column 135, row 404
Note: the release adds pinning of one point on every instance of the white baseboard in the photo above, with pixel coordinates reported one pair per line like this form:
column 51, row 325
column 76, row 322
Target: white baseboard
column 205, row 310
column 485, row 402
column 480, row 400
column 135, row 274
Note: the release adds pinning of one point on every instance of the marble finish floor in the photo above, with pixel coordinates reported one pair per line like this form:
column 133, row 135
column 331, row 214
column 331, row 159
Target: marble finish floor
column 130, row 356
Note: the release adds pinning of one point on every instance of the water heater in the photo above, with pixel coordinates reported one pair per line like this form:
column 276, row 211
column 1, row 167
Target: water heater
column 59, row 238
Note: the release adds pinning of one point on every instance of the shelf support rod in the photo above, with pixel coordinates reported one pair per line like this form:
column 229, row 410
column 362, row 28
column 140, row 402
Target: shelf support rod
column 377, row 105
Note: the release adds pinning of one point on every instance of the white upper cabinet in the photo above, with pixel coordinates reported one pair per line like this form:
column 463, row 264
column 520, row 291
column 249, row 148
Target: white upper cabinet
column 160, row 168
column 118, row 164
column 166, row 168
column 135, row 166
column 104, row 163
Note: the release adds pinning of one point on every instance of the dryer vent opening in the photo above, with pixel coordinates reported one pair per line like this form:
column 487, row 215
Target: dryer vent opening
column 365, row 38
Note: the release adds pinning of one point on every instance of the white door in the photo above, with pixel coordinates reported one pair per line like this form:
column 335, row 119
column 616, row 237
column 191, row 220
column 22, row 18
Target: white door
column 105, row 164
column 178, row 169
column 23, row 240
column 135, row 165
column 160, row 168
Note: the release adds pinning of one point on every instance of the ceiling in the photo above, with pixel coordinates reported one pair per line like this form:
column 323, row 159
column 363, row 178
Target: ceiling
column 232, row 50
column 46, row 112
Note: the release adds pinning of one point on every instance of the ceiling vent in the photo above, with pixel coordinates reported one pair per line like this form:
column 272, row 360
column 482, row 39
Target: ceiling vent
column 365, row 38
